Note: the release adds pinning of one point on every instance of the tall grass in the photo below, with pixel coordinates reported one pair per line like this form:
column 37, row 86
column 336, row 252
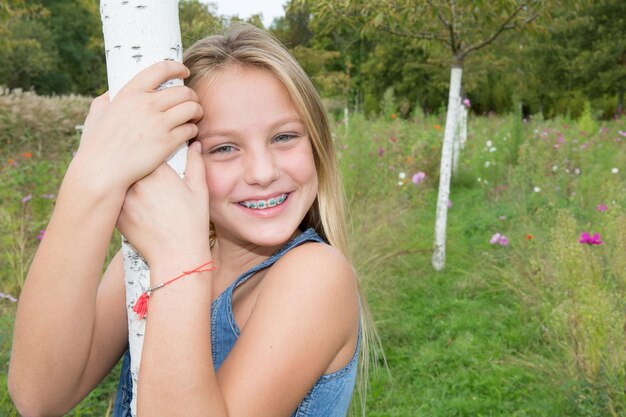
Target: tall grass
column 532, row 328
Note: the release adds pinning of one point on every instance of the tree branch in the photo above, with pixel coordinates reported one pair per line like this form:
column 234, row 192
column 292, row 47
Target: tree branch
column 416, row 35
column 439, row 15
column 506, row 25
column 447, row 25
column 453, row 33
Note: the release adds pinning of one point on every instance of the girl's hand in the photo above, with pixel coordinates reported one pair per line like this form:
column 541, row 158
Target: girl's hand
column 165, row 217
column 126, row 139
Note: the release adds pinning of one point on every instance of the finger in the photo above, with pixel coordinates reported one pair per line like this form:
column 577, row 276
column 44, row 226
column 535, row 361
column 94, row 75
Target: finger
column 150, row 78
column 158, row 176
column 170, row 97
column 98, row 106
column 181, row 134
column 182, row 113
column 195, row 175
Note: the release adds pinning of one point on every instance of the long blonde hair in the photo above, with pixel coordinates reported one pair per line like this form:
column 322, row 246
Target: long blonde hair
column 244, row 44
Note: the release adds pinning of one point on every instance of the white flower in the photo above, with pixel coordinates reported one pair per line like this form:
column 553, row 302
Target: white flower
column 577, row 171
column 492, row 149
column 537, row 189
column 400, row 183
column 614, row 170
column 489, row 144
column 479, row 179
column 402, row 175
column 487, row 163
column 555, row 168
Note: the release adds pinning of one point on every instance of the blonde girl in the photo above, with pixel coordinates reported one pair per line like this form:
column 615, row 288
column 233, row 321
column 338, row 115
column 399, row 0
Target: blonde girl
column 268, row 319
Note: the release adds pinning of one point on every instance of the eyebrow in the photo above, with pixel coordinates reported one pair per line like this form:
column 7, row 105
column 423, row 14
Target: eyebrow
column 232, row 132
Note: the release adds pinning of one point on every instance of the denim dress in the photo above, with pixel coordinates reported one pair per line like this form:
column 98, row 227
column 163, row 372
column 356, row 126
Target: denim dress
column 329, row 397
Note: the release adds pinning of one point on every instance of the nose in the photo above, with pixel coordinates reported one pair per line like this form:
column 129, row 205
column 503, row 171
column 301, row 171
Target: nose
column 261, row 167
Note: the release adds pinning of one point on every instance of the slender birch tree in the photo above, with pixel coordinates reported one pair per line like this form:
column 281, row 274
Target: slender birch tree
column 463, row 27
column 138, row 33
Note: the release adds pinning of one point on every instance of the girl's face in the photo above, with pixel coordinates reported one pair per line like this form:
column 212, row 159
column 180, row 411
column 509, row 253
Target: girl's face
column 259, row 161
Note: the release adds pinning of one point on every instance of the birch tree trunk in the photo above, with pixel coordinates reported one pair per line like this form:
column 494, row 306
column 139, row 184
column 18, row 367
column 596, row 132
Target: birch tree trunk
column 439, row 254
column 460, row 137
column 138, row 33
column 463, row 127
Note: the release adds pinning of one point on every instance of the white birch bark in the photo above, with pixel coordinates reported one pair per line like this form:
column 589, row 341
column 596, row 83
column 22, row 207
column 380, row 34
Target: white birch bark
column 439, row 254
column 463, row 128
column 460, row 136
column 138, row 33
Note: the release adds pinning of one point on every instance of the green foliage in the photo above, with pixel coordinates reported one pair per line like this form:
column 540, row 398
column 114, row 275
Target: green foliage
column 586, row 122
column 388, row 104
column 197, row 20
column 52, row 46
column 294, row 28
column 567, row 54
column 25, row 44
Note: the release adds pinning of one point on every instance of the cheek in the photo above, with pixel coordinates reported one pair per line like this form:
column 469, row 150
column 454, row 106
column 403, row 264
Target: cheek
column 303, row 168
column 217, row 181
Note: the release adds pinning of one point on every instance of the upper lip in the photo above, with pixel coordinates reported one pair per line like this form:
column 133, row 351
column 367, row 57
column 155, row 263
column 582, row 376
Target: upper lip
column 266, row 197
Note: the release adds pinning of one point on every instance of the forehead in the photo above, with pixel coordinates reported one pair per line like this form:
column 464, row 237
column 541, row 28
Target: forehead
column 244, row 90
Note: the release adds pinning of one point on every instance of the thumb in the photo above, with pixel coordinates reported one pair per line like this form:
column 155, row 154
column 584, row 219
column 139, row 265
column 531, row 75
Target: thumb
column 195, row 175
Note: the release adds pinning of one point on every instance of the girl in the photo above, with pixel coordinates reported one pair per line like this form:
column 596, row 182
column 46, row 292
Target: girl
column 268, row 320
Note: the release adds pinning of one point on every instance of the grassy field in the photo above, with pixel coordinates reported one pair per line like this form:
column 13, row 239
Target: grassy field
column 529, row 325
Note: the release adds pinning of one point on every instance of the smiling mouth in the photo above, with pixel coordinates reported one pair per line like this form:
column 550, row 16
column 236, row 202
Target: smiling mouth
column 264, row 204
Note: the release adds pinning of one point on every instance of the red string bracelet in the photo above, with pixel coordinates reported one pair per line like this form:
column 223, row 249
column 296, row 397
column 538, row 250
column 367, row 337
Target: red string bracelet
column 141, row 305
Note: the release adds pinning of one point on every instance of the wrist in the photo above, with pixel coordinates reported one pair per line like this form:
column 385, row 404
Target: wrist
column 93, row 180
column 195, row 286
column 168, row 265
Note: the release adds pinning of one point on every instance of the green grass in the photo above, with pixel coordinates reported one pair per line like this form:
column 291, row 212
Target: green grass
column 535, row 328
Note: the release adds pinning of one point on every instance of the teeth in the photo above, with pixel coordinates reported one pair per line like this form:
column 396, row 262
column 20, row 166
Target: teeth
column 263, row 204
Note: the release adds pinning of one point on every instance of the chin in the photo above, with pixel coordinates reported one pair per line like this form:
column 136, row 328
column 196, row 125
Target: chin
column 272, row 236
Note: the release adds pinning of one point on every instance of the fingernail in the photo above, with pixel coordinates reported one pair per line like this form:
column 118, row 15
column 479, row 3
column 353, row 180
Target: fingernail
column 197, row 146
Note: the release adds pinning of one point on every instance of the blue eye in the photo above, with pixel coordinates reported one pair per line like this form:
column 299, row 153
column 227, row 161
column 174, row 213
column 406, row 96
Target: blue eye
column 284, row 137
column 223, row 149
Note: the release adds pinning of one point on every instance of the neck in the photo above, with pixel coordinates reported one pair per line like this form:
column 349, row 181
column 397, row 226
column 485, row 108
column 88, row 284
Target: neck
column 234, row 257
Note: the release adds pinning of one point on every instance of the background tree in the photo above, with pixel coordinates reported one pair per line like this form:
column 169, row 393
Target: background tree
column 27, row 50
column 462, row 28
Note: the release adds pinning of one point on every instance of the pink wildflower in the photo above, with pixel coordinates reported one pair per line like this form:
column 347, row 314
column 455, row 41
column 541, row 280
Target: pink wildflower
column 590, row 240
column 449, row 203
column 499, row 239
column 602, row 207
column 418, row 177
column 622, row 133
column 381, row 152
column 27, row 198
column 42, row 232
column 467, row 103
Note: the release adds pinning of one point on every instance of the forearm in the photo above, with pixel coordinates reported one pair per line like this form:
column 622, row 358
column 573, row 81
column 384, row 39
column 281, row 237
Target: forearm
column 176, row 366
column 55, row 316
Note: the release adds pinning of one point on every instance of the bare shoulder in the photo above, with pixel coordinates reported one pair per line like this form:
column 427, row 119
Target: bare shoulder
column 320, row 280
column 316, row 267
column 303, row 324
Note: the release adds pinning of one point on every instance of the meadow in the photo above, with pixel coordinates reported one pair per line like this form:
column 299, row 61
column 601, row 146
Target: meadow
column 527, row 319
